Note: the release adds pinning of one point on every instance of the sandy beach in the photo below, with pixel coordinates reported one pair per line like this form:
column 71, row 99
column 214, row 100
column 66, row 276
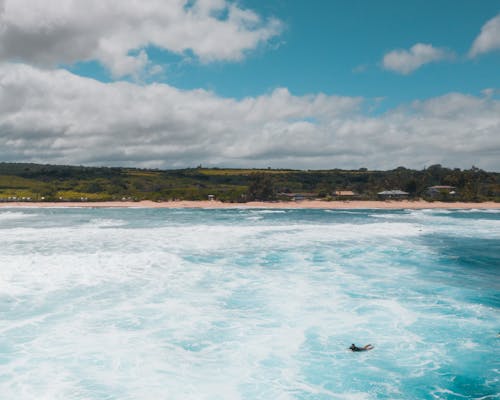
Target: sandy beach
column 313, row 204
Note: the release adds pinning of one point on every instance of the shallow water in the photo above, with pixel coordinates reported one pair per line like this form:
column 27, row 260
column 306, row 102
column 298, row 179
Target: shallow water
column 249, row 304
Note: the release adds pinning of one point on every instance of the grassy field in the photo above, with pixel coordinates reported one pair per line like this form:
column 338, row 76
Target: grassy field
column 240, row 172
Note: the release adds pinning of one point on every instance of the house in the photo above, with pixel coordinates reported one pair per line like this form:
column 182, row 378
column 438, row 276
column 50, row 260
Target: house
column 393, row 194
column 441, row 190
column 347, row 194
column 298, row 196
column 211, row 197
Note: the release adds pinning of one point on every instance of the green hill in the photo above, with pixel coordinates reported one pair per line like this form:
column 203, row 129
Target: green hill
column 35, row 182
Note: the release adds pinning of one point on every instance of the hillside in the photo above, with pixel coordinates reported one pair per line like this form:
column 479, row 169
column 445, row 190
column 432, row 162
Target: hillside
column 35, row 182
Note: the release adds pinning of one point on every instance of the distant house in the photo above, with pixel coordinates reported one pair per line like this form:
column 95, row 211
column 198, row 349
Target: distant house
column 392, row 194
column 345, row 194
column 299, row 196
column 211, row 197
column 441, row 190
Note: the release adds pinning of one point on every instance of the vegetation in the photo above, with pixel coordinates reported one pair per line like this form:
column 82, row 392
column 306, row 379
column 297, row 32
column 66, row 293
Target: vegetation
column 37, row 182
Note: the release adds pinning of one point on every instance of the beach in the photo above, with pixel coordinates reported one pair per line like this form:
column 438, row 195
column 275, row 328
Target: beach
column 305, row 204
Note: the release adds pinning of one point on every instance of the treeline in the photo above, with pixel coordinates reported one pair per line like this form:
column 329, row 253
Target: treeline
column 37, row 182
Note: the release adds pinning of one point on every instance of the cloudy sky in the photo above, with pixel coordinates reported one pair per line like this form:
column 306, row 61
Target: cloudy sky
column 248, row 83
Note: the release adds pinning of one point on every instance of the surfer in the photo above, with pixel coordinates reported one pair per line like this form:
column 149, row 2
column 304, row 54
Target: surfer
column 356, row 348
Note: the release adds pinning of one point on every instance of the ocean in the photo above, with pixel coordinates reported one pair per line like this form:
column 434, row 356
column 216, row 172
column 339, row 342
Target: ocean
column 153, row 304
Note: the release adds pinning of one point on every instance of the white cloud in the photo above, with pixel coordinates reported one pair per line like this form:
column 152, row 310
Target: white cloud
column 57, row 117
column 489, row 38
column 115, row 33
column 489, row 92
column 406, row 61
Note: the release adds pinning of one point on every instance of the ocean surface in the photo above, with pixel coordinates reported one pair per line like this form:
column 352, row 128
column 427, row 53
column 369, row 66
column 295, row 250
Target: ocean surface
column 153, row 304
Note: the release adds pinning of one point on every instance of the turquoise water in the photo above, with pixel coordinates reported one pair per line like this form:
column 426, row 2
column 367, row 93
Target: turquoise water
column 249, row 304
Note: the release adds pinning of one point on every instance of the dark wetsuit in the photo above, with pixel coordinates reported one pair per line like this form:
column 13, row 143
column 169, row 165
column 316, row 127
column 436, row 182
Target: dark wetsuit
column 356, row 348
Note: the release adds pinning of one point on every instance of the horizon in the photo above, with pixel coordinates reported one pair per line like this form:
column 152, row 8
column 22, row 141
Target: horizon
column 171, row 84
column 360, row 169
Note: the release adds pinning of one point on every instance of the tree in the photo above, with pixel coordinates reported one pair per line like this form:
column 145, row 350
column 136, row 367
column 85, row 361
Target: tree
column 411, row 187
column 93, row 187
column 261, row 188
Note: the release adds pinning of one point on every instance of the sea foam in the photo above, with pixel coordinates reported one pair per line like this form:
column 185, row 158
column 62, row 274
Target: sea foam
column 209, row 304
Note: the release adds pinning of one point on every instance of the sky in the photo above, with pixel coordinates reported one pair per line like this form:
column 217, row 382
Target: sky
column 221, row 83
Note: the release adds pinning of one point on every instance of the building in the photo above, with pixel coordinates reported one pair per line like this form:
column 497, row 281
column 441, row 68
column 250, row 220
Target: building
column 299, row 196
column 441, row 190
column 393, row 194
column 346, row 194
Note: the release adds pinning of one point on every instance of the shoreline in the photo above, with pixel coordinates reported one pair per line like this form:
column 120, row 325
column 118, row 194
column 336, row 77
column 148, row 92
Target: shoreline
column 308, row 204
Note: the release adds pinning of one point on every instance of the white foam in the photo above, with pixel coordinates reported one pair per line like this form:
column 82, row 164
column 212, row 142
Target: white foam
column 442, row 221
column 469, row 344
column 341, row 211
column 13, row 215
column 386, row 216
column 480, row 210
column 105, row 222
column 232, row 310
column 254, row 218
column 267, row 211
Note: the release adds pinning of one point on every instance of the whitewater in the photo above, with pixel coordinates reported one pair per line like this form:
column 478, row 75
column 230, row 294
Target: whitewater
column 155, row 304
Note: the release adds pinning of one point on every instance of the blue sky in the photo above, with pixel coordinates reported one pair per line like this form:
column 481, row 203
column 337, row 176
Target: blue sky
column 336, row 47
column 247, row 83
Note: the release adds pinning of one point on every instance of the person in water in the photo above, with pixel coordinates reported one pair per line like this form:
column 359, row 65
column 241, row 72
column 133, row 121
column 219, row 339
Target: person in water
column 356, row 348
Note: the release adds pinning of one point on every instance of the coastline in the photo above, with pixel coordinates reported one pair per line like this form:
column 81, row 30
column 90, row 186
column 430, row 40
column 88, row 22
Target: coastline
column 309, row 204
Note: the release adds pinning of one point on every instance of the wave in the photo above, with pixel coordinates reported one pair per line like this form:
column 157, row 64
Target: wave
column 266, row 211
column 105, row 223
column 10, row 215
column 232, row 309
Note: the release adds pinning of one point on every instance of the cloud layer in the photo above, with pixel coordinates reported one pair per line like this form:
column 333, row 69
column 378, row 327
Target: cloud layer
column 406, row 61
column 57, row 117
column 115, row 33
column 50, row 115
column 489, row 38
